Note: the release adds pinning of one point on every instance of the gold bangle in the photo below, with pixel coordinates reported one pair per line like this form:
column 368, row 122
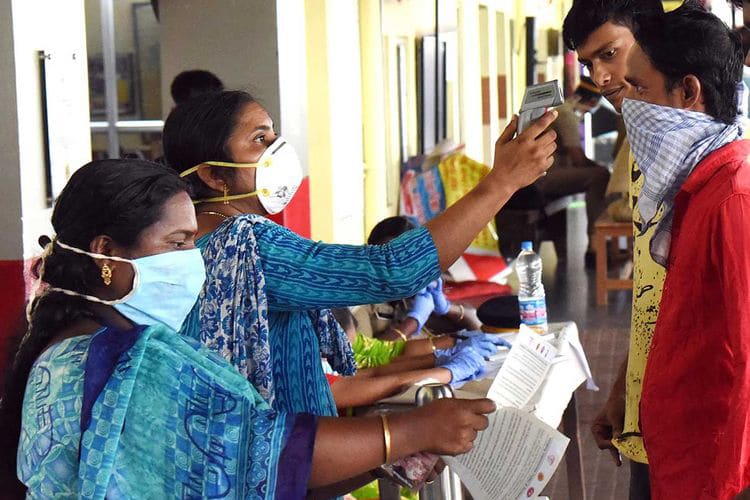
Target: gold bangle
column 432, row 344
column 462, row 312
column 401, row 334
column 386, row 438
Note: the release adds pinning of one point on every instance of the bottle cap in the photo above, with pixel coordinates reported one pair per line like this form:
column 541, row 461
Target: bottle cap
column 527, row 245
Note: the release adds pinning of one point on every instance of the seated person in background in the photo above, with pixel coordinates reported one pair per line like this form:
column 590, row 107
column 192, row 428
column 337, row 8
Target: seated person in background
column 370, row 352
column 404, row 318
column 390, row 374
column 192, row 83
column 572, row 172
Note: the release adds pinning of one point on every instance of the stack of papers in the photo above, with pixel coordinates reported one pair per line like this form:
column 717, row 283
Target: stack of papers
column 515, row 457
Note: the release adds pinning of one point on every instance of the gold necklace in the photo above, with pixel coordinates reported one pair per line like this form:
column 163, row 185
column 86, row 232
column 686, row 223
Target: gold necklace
column 211, row 212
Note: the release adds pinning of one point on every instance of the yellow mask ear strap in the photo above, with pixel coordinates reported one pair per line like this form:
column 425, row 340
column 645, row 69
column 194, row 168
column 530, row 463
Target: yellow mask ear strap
column 264, row 163
column 233, row 197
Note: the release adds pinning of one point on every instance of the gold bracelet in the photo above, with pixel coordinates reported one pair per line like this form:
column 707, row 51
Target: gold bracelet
column 462, row 312
column 401, row 334
column 386, row 438
column 432, row 343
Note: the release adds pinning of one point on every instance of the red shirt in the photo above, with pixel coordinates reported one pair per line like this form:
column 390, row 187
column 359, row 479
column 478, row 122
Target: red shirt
column 695, row 406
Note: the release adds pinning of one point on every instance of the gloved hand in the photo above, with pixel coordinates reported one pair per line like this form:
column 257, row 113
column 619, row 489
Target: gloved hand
column 442, row 304
column 477, row 337
column 465, row 365
column 422, row 307
column 485, row 344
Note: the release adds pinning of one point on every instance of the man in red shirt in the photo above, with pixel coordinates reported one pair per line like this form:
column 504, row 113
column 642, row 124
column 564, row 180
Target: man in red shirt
column 685, row 133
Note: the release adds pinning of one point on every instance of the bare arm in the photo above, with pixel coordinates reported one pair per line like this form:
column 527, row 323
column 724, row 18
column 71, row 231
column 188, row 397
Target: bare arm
column 518, row 163
column 347, row 447
column 608, row 424
column 402, row 364
column 464, row 317
column 350, row 392
column 418, row 347
column 457, row 318
column 408, row 326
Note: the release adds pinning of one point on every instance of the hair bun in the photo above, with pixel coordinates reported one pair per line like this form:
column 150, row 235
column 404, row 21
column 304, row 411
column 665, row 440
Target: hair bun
column 44, row 240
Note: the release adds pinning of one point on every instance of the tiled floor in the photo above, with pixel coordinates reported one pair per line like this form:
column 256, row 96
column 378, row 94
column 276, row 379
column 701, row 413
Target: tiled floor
column 604, row 333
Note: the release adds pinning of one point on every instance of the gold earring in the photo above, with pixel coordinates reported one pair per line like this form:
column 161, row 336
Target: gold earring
column 226, row 195
column 107, row 274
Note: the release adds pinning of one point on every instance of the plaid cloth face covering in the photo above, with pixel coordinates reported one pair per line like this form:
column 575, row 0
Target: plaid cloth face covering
column 667, row 144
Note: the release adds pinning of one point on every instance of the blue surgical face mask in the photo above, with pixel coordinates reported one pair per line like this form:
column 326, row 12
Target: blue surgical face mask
column 165, row 286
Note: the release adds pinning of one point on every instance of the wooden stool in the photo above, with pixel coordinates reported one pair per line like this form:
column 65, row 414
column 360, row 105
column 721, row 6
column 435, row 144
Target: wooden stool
column 605, row 228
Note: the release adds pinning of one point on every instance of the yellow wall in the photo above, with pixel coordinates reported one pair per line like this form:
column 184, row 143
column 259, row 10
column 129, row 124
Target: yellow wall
column 319, row 146
column 483, row 46
column 336, row 154
column 374, row 115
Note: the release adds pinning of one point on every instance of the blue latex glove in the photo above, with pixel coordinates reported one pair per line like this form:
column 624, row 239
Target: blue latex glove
column 481, row 338
column 422, row 307
column 442, row 304
column 485, row 347
column 485, row 344
column 465, row 365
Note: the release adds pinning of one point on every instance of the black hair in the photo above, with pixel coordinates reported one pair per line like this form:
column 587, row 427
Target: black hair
column 586, row 16
column 691, row 41
column 192, row 83
column 198, row 131
column 345, row 318
column 118, row 198
column 389, row 228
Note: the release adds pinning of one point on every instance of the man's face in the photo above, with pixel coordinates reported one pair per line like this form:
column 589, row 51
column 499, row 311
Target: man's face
column 646, row 83
column 604, row 53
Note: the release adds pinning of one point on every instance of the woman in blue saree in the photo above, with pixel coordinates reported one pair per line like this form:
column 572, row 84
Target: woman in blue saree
column 104, row 399
column 265, row 304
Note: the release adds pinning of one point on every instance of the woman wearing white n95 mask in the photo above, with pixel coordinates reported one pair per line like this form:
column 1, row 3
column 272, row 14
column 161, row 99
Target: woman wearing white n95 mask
column 265, row 304
column 106, row 401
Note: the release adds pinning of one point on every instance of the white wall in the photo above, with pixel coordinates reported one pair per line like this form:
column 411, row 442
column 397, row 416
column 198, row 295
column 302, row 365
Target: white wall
column 249, row 45
column 346, row 121
column 292, row 83
column 60, row 31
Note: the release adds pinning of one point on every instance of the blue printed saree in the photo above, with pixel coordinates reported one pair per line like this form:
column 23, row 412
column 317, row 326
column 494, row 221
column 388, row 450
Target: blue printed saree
column 146, row 413
column 264, row 307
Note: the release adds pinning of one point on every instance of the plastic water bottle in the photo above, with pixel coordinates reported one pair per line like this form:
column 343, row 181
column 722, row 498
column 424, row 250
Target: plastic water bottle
column 531, row 301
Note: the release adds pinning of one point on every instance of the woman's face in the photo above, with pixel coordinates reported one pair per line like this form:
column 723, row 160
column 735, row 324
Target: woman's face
column 249, row 140
column 175, row 230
